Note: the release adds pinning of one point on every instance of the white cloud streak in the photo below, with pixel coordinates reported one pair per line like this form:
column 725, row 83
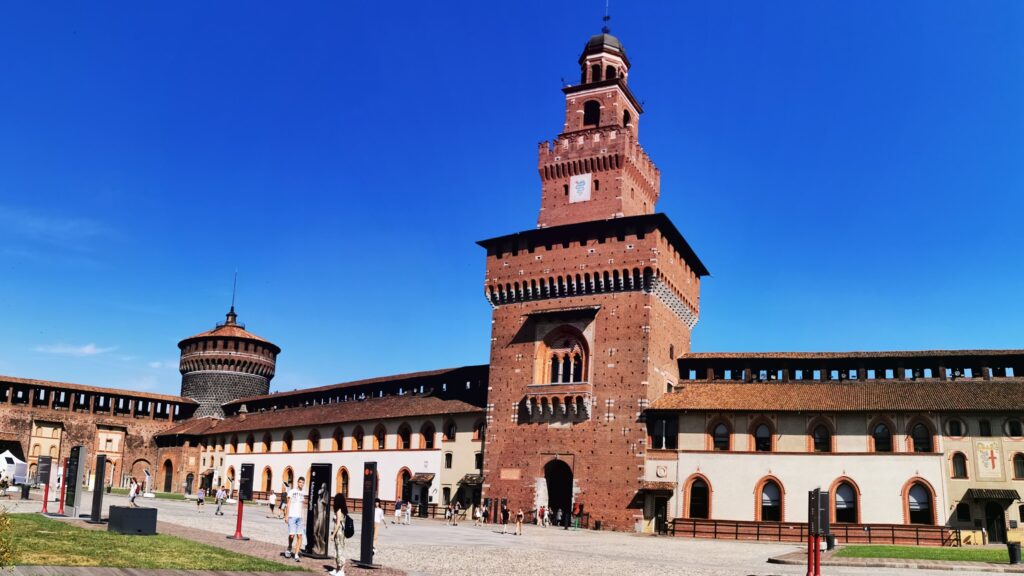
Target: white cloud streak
column 82, row 351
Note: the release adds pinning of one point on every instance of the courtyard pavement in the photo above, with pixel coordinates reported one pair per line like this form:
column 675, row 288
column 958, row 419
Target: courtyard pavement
column 432, row 548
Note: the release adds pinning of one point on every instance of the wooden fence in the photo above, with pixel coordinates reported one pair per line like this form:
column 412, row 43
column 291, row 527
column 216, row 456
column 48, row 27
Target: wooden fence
column 918, row 535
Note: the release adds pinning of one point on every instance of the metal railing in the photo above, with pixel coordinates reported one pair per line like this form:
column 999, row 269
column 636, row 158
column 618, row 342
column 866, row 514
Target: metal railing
column 918, row 535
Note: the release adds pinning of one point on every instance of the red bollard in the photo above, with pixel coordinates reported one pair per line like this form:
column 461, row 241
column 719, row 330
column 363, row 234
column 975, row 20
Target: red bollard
column 238, row 524
column 63, row 488
column 46, row 496
column 810, row 554
column 817, row 556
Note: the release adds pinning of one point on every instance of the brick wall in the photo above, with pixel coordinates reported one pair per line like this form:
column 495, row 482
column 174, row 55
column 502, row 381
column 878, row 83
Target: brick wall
column 211, row 389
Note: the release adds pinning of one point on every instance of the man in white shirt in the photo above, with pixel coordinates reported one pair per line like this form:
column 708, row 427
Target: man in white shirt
column 293, row 518
column 378, row 519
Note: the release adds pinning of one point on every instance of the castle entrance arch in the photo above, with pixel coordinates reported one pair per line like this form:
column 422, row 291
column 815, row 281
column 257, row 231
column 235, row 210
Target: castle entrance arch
column 558, row 477
column 168, row 475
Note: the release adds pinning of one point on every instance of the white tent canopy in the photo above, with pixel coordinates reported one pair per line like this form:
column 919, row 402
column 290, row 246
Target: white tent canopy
column 12, row 468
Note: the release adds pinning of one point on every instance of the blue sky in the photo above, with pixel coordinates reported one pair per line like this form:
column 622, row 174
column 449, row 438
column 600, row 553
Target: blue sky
column 850, row 172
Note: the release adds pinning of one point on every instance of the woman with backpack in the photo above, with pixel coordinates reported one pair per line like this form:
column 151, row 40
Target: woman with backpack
column 344, row 529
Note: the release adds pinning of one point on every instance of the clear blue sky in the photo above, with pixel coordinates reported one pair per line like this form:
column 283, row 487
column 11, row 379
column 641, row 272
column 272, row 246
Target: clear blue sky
column 852, row 173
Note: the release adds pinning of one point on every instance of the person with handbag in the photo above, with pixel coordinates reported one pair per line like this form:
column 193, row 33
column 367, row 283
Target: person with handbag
column 344, row 529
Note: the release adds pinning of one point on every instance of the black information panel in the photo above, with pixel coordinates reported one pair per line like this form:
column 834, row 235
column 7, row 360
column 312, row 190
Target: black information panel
column 73, row 483
column 369, row 497
column 45, row 464
column 318, row 511
column 245, row 482
column 97, row 491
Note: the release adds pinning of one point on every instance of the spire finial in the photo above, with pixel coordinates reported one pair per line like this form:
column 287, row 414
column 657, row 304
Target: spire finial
column 232, row 318
column 605, row 29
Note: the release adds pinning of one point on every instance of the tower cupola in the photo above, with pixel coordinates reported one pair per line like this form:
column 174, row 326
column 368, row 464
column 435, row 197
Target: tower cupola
column 603, row 59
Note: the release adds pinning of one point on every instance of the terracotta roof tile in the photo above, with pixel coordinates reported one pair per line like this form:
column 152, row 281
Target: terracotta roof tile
column 97, row 389
column 918, row 395
column 342, row 385
column 388, row 407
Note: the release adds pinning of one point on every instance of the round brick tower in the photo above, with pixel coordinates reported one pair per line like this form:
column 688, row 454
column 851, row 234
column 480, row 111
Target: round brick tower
column 225, row 364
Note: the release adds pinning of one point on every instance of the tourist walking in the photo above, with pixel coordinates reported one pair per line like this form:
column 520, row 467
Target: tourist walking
column 293, row 519
column 339, row 534
column 407, row 513
column 272, row 502
column 476, row 515
column 485, row 514
column 221, row 497
column 378, row 519
column 456, row 510
column 398, row 512
column 133, row 492
column 558, row 517
column 200, row 499
column 504, row 518
column 448, row 513
column 520, row 516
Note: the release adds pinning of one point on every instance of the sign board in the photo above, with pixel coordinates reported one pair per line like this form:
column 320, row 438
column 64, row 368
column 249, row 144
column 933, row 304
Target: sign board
column 73, row 496
column 818, row 516
column 369, row 498
column 318, row 512
column 43, row 470
column 579, row 188
column 245, row 481
column 97, row 492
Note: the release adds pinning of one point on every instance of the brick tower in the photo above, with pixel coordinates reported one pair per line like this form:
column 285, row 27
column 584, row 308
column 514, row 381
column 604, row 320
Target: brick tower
column 590, row 310
column 225, row 364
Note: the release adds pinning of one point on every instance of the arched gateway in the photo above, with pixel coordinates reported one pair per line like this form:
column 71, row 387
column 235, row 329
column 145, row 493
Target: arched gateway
column 558, row 477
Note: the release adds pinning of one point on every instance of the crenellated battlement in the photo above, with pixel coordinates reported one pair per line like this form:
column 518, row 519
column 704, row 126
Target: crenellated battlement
column 595, row 150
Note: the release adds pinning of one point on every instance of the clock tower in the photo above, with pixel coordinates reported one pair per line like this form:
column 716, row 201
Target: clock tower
column 590, row 310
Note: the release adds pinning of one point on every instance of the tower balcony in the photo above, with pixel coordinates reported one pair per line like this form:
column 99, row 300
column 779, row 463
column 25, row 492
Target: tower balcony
column 556, row 403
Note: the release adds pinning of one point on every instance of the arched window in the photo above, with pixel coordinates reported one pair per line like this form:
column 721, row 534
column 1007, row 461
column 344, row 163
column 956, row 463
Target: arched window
column 427, row 434
column 595, row 73
column 250, row 444
column 919, row 505
column 1018, row 467
column 357, row 438
column 450, row 429
column 921, row 438
column 286, row 444
column 342, row 481
column 36, row 448
column 698, row 499
column 568, row 353
column 762, row 438
column 404, row 437
column 268, row 479
column 627, row 118
column 720, row 437
column 959, row 466
column 882, row 437
column 448, row 460
column 379, row 437
column 770, row 500
column 846, row 504
column 266, row 443
column 53, row 452
column 289, row 476
column 314, row 440
column 233, row 444
column 338, row 439
column 479, row 431
column 822, row 437
column 591, row 113
column 609, row 72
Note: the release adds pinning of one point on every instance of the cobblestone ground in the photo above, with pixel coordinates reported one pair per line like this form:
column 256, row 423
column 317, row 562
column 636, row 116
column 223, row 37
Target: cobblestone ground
column 432, row 548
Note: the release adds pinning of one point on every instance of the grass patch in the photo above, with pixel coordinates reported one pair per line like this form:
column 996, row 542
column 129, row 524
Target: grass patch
column 969, row 554
column 42, row 541
column 160, row 495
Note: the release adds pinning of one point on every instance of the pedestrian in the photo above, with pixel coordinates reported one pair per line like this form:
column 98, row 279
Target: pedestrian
column 448, row 514
column 221, row 497
column 540, row 517
column 200, row 499
column 398, row 512
column 504, row 518
column 476, row 515
column 338, row 534
column 484, row 514
column 133, row 492
column 558, row 517
column 272, row 501
column 407, row 513
column 378, row 519
column 520, row 516
column 293, row 519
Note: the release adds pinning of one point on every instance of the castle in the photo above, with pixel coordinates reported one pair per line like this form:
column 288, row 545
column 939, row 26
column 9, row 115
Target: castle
column 592, row 400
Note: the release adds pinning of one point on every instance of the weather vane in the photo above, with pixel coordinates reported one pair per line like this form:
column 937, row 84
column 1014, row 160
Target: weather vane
column 606, row 18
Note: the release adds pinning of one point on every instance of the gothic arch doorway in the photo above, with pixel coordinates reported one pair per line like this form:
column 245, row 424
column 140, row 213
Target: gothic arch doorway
column 558, row 477
column 188, row 483
column 168, row 475
column 995, row 523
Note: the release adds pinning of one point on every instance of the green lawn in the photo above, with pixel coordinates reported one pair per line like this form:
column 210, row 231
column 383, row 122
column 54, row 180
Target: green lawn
column 161, row 495
column 42, row 541
column 968, row 554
